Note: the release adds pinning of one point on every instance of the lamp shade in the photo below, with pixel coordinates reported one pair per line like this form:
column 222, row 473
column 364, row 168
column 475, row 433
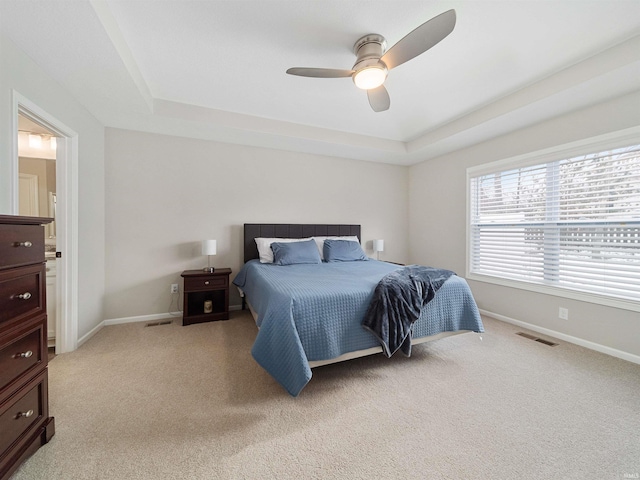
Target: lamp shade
column 209, row 247
column 378, row 245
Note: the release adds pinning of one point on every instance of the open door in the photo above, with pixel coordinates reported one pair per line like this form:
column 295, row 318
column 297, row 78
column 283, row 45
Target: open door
column 45, row 184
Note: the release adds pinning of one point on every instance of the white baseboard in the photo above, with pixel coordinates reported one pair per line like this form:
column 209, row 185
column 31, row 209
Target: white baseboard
column 91, row 333
column 630, row 357
column 153, row 317
column 136, row 319
column 118, row 321
column 142, row 318
column 146, row 318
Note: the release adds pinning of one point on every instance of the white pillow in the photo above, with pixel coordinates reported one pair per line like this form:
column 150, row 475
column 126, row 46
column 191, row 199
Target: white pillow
column 320, row 242
column 264, row 246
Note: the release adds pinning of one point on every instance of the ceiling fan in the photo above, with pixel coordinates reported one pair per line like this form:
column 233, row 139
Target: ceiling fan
column 373, row 60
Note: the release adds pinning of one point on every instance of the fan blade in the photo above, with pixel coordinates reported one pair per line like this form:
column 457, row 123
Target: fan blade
column 379, row 99
column 420, row 40
column 319, row 72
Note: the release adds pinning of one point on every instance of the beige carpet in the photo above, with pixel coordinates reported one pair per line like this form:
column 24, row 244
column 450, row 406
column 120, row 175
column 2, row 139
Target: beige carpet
column 173, row 402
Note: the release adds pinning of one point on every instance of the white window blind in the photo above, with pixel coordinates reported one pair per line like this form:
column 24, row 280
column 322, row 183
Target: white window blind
column 572, row 223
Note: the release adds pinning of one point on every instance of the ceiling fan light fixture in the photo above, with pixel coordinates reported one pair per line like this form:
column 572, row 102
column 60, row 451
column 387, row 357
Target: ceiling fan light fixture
column 373, row 60
column 370, row 77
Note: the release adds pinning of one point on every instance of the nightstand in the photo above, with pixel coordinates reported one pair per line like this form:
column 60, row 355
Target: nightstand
column 202, row 290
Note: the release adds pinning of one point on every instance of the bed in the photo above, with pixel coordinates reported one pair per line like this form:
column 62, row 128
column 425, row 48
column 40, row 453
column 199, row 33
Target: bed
column 310, row 315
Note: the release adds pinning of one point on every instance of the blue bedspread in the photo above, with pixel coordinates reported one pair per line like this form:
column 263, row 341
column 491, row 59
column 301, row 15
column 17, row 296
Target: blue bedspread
column 314, row 312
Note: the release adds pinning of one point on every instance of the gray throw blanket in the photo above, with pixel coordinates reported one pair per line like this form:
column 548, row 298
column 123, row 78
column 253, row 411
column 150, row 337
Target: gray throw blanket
column 397, row 303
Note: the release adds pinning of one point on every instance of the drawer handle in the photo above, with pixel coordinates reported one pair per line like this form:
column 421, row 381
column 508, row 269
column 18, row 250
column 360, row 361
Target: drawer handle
column 26, row 244
column 207, row 282
column 26, row 354
column 26, row 414
column 24, row 296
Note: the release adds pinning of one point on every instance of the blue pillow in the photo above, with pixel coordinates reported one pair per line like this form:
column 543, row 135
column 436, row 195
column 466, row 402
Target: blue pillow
column 343, row 251
column 295, row 252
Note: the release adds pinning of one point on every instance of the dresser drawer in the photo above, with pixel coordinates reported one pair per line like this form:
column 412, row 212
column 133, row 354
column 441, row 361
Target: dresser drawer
column 21, row 414
column 22, row 292
column 20, row 353
column 205, row 283
column 21, row 245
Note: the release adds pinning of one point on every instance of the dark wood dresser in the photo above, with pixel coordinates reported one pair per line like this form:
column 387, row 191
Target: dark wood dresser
column 25, row 424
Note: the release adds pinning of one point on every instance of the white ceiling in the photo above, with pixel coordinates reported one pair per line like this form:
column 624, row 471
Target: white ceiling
column 216, row 69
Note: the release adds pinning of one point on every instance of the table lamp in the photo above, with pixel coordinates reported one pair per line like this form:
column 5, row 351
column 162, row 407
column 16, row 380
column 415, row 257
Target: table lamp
column 208, row 248
column 378, row 246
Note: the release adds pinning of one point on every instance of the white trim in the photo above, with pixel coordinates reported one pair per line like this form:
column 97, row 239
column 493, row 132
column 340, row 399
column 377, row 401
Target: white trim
column 153, row 316
column 14, row 185
column 67, row 215
column 91, row 333
column 629, row 357
column 142, row 318
column 123, row 320
column 112, row 29
column 558, row 291
column 559, row 152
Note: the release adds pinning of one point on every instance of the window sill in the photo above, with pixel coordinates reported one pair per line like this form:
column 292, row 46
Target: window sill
column 558, row 292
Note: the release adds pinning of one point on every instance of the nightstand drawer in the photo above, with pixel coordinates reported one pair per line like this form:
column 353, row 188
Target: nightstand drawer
column 21, row 292
column 22, row 353
column 20, row 416
column 21, row 245
column 205, row 283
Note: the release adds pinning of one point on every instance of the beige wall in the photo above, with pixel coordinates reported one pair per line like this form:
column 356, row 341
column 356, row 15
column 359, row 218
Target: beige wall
column 165, row 194
column 19, row 73
column 46, row 172
column 437, row 221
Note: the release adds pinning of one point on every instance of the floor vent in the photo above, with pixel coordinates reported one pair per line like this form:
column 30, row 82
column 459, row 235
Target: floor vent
column 155, row 324
column 536, row 339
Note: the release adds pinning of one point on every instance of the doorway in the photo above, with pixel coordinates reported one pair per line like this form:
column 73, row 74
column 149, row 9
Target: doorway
column 45, row 185
column 37, row 197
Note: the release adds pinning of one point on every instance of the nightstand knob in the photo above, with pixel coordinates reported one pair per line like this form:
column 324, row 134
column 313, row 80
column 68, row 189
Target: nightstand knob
column 24, row 296
column 26, row 354
column 26, row 414
column 24, row 244
column 207, row 282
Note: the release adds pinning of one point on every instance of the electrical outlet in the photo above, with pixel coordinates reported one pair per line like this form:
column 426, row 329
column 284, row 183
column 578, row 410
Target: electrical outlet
column 563, row 313
column 174, row 288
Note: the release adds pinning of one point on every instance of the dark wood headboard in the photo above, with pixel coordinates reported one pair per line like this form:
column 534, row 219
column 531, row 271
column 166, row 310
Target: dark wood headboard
column 291, row 230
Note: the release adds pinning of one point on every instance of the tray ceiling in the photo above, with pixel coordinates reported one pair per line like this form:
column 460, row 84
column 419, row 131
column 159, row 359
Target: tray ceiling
column 216, row 69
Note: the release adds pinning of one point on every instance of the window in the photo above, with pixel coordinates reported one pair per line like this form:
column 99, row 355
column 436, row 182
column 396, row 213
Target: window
column 572, row 224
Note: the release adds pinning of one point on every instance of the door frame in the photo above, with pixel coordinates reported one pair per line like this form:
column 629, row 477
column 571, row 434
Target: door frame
column 66, row 215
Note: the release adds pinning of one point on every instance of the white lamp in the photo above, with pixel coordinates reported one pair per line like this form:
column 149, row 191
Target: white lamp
column 378, row 246
column 209, row 248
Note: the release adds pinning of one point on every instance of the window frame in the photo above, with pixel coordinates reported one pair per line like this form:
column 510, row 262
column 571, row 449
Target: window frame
column 591, row 145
